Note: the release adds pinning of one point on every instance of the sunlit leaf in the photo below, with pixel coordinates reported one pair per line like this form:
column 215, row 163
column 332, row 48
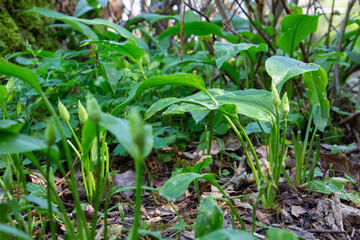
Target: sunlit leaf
column 178, row 79
column 11, row 143
column 296, row 27
column 282, row 69
column 315, row 83
column 253, row 103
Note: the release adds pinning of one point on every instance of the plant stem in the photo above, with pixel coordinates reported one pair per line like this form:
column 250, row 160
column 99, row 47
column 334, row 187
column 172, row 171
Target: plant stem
column 134, row 234
column 51, row 219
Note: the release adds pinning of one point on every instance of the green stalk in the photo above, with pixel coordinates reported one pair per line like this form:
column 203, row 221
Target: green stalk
column 308, row 156
column 256, row 177
column 306, row 138
column 211, row 130
column 196, row 184
column 315, row 159
column 134, row 234
column 6, row 114
column 298, row 155
column 51, row 219
column 98, row 190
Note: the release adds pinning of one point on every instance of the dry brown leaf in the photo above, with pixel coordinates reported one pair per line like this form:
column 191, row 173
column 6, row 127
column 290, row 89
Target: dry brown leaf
column 297, row 210
column 341, row 164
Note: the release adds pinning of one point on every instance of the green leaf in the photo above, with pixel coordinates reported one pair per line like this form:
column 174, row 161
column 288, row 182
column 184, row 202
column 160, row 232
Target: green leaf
column 178, row 79
column 73, row 20
column 315, row 83
column 195, row 28
column 201, row 164
column 121, row 130
column 253, row 103
column 127, row 49
column 224, row 51
column 10, row 126
column 282, row 69
column 14, row 231
column 280, row 234
column 21, row 73
column 226, row 234
column 209, row 218
column 11, row 143
column 111, row 74
column 329, row 186
column 42, row 203
column 175, row 187
column 296, row 27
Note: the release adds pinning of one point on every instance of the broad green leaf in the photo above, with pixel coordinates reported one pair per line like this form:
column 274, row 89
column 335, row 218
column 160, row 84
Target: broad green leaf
column 127, row 49
column 121, row 130
column 14, row 232
column 42, row 203
column 210, row 217
column 201, row 164
column 88, row 134
column 226, row 234
column 111, row 74
column 282, row 69
column 195, row 28
column 10, row 126
column 329, row 186
column 82, row 7
column 280, row 234
column 296, row 27
column 11, row 143
column 175, row 187
column 178, row 79
column 21, row 73
column 315, row 83
column 253, row 103
column 227, row 67
column 224, row 51
column 68, row 19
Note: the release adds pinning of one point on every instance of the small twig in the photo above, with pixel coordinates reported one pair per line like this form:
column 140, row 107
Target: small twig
column 325, row 231
column 182, row 31
column 330, row 22
column 68, row 173
column 197, row 11
column 355, row 114
column 339, row 47
column 257, row 28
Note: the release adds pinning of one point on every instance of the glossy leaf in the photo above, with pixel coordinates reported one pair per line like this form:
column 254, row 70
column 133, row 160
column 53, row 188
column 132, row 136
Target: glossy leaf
column 282, row 69
column 201, row 164
column 10, row 126
column 209, row 218
column 127, row 49
column 315, row 83
column 253, row 103
column 21, row 73
column 195, row 28
column 111, row 74
column 3, row 93
column 175, row 186
column 226, row 234
column 296, row 27
column 121, row 130
column 41, row 202
column 68, row 19
column 178, row 79
column 11, row 143
column 224, row 51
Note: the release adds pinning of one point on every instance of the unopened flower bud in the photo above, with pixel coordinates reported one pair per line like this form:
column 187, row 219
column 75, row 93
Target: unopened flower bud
column 93, row 108
column 50, row 133
column 64, row 114
column 146, row 59
column 10, row 87
column 83, row 115
column 275, row 96
column 284, row 105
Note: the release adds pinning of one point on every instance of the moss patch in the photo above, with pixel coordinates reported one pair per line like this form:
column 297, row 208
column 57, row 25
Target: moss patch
column 16, row 28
